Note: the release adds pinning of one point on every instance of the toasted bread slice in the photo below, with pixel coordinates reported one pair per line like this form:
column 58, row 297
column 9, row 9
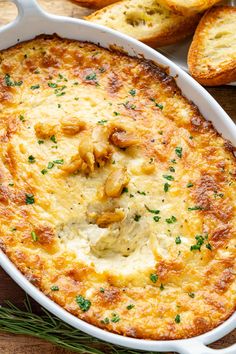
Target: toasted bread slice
column 185, row 7
column 95, row 4
column 147, row 21
column 212, row 54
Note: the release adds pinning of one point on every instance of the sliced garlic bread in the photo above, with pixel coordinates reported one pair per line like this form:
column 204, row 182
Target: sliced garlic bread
column 147, row 21
column 95, row 4
column 188, row 6
column 212, row 54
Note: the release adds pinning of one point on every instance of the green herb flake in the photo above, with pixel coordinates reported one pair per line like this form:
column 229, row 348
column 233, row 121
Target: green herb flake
column 116, row 113
column 192, row 295
column 29, row 198
column 53, row 139
column 34, row 236
column 105, row 321
column 173, row 161
column 137, row 217
column 102, row 121
column 10, row 82
column 153, row 277
column 171, row 169
column 59, row 162
column 166, row 187
column 22, row 118
column 60, row 94
column 125, row 190
column 178, row 240
column 162, row 287
column 199, row 243
column 115, row 318
column 177, row 319
column 141, row 193
column 52, row 84
column 50, row 165
column 196, row 207
column 83, row 303
column 91, row 77
column 156, row 218
column 59, row 105
column 102, row 290
column 44, row 171
column 208, row 246
column 130, row 307
column 189, row 185
column 168, row 177
column 131, row 195
column 31, row 159
column 171, row 220
column 35, row 87
column 153, row 211
column 179, row 151
column 11, row 184
column 40, row 142
column 159, row 105
column 132, row 92
column 54, row 288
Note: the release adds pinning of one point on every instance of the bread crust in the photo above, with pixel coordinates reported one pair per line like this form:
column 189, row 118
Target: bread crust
column 213, row 76
column 95, row 4
column 181, row 7
column 180, row 28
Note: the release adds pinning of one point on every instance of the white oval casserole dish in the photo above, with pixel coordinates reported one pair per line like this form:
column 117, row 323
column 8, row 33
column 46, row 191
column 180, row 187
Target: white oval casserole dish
column 32, row 21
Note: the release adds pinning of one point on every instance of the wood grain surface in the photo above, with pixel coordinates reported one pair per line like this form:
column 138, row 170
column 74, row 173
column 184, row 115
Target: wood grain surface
column 12, row 344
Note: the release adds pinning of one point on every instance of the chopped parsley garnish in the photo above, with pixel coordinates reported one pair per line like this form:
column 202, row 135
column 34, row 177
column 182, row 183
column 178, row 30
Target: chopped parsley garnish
column 102, row 121
column 54, row 288
column 83, row 303
column 92, row 76
column 156, row 218
column 10, row 82
column 76, row 98
column 131, row 195
column 166, row 187
column 162, row 287
column 219, row 195
column 35, row 87
column 173, row 161
column 59, row 105
column 60, row 94
column 192, row 295
column 53, row 139
column 153, row 211
column 142, row 193
column 50, row 165
column 171, row 169
column 116, row 113
column 178, row 151
column 40, row 142
column 132, row 92
column 59, row 162
column 128, row 105
column 115, row 318
column 208, row 246
column 171, row 220
column 159, row 105
column 130, row 307
column 178, row 240
column 22, row 118
column 168, row 177
column 153, row 277
column 125, row 190
column 199, row 243
column 189, row 185
column 196, row 207
column 102, row 290
column 52, row 84
column 177, row 319
column 44, row 171
column 102, row 70
column 137, row 217
column 31, row 159
column 34, row 236
column 105, row 321
column 29, row 198
column 11, row 184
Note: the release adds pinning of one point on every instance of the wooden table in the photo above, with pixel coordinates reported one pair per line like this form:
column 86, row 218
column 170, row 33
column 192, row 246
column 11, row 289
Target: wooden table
column 12, row 344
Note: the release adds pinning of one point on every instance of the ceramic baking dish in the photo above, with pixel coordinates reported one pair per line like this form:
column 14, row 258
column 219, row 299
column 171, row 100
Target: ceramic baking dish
column 32, row 21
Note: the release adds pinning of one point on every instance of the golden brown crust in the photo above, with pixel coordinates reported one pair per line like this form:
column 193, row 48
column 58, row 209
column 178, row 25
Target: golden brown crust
column 213, row 73
column 184, row 284
column 185, row 7
column 95, row 4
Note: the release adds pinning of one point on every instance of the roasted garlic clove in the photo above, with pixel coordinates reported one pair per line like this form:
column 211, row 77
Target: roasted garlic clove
column 45, row 130
column 123, row 139
column 86, row 152
column 72, row 126
column 115, row 182
column 109, row 217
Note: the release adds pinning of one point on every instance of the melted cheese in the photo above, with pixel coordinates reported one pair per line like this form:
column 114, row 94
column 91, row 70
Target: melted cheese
column 111, row 179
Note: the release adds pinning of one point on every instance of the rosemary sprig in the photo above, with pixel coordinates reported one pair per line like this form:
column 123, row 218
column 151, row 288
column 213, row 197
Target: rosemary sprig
column 52, row 329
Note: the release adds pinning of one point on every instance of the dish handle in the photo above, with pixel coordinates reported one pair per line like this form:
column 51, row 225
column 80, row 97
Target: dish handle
column 196, row 347
column 28, row 10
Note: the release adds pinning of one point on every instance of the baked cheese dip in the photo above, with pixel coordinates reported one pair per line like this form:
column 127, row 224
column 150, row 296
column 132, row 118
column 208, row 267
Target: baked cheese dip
column 117, row 198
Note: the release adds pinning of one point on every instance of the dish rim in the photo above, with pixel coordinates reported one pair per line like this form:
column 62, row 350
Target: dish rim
column 28, row 13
